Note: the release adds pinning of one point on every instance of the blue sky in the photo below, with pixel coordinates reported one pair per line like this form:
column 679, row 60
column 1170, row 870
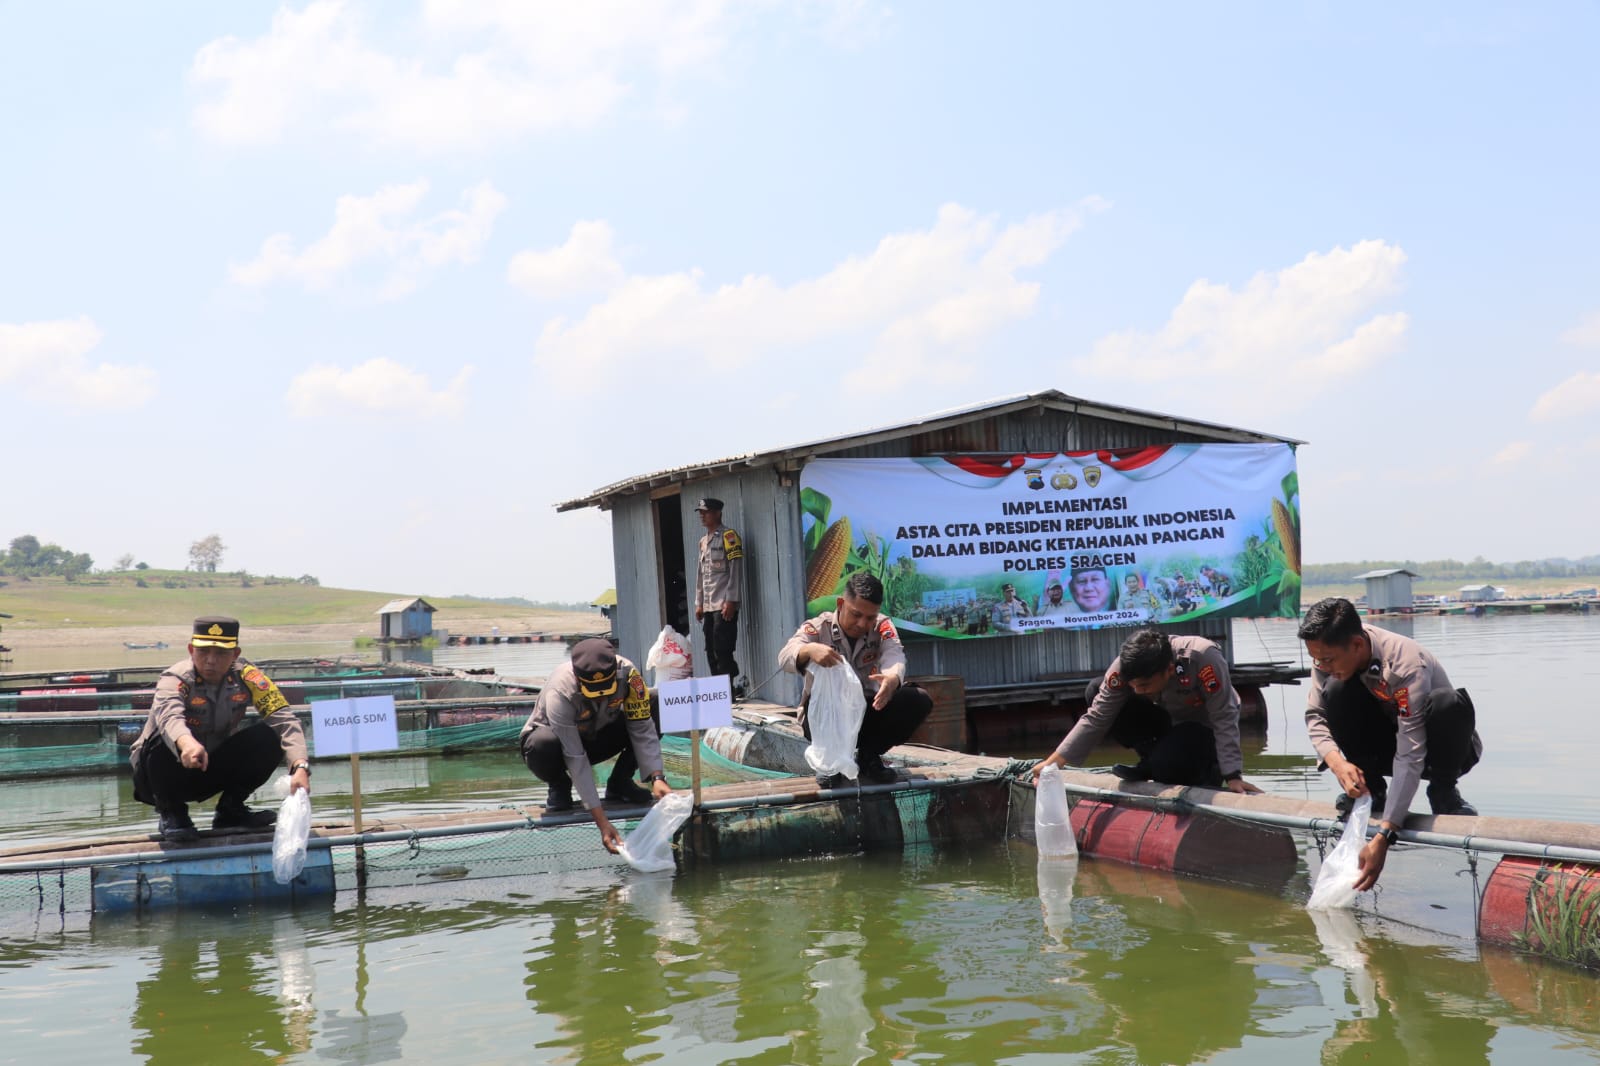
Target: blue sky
column 367, row 288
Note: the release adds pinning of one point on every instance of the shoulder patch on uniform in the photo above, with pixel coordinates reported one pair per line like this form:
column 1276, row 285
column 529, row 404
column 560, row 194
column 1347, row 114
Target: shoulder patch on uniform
column 636, row 708
column 808, row 629
column 1114, row 679
column 1402, row 700
column 266, row 697
column 731, row 546
column 886, row 630
column 1209, row 679
column 253, row 676
column 636, row 685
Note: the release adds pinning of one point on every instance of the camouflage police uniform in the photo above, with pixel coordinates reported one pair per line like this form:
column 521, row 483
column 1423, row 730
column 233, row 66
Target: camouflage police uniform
column 1399, row 716
column 568, row 731
column 1187, row 735
column 879, row 651
column 719, row 575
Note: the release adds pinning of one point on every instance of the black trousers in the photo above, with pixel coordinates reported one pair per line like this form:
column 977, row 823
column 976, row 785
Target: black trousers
column 1184, row 753
column 543, row 755
column 882, row 730
column 1366, row 734
column 721, row 635
column 240, row 765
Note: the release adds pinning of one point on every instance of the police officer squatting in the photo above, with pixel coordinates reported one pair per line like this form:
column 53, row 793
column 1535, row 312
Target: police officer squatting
column 198, row 742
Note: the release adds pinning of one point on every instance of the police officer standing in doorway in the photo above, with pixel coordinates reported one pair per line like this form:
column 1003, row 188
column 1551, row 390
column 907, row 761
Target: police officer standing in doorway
column 197, row 741
column 718, row 576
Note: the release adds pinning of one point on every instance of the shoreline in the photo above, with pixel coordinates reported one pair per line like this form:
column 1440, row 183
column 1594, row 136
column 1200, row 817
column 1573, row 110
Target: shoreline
column 552, row 623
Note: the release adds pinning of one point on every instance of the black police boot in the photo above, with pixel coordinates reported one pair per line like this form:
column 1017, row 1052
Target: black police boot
column 176, row 827
column 625, row 790
column 1445, row 798
column 1131, row 773
column 873, row 771
column 558, row 797
column 233, row 814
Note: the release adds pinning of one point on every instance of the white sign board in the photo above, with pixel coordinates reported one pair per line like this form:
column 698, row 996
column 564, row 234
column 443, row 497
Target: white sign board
column 696, row 703
column 345, row 727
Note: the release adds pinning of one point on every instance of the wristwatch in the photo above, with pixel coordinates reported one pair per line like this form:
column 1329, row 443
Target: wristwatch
column 1389, row 835
column 301, row 765
column 653, row 778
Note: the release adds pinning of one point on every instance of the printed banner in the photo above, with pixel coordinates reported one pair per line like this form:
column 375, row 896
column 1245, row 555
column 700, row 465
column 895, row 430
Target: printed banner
column 982, row 546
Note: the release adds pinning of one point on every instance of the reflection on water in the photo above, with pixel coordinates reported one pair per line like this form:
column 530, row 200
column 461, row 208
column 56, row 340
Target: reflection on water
column 937, row 956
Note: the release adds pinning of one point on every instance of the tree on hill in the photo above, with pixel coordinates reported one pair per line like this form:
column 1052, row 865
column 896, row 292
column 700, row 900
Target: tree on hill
column 29, row 558
column 206, row 554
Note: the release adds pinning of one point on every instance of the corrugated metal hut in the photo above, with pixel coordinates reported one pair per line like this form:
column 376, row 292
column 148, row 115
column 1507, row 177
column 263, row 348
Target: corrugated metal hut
column 406, row 619
column 655, row 532
column 1389, row 590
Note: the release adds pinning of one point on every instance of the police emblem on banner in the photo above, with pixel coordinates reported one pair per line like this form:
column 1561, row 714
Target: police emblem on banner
column 1035, row 478
column 1091, row 476
column 1063, row 479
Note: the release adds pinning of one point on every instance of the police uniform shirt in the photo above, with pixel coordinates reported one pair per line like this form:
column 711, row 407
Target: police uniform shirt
column 878, row 652
column 185, row 705
column 572, row 716
column 1198, row 691
column 1402, row 675
column 719, row 571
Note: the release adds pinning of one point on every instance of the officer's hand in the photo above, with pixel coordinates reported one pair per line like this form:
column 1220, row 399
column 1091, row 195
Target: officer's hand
column 192, row 754
column 608, row 832
column 301, row 778
column 1242, row 787
column 887, row 683
column 1351, row 780
column 1372, row 857
column 698, row 614
column 660, row 789
column 1038, row 768
column 729, row 610
column 822, row 654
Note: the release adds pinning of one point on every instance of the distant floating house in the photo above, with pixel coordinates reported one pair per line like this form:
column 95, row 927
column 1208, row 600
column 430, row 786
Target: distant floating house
column 1481, row 593
column 406, row 619
column 1389, row 590
column 607, row 602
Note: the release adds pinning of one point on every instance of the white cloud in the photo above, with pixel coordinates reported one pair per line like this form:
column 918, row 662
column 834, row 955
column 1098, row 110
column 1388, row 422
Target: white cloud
column 915, row 306
column 1308, row 323
column 471, row 72
column 47, row 360
column 1578, row 395
column 379, row 229
column 1585, row 333
column 1513, row 453
column 586, row 263
column 377, row 386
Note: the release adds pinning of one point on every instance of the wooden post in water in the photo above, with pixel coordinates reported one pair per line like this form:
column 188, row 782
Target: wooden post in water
column 694, row 764
column 355, row 799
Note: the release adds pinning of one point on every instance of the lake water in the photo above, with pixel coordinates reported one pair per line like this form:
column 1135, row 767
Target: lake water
column 969, row 955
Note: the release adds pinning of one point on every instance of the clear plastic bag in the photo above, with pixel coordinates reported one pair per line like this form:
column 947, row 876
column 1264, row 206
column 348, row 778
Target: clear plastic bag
column 1052, row 822
column 648, row 848
column 289, row 838
column 1336, row 881
column 669, row 658
column 1056, row 879
column 834, row 717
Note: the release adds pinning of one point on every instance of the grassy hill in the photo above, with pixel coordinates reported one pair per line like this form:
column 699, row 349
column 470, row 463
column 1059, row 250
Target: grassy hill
column 175, row 597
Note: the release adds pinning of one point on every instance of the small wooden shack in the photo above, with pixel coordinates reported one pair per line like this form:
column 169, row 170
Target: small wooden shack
column 1481, row 593
column 405, row 619
column 1389, row 590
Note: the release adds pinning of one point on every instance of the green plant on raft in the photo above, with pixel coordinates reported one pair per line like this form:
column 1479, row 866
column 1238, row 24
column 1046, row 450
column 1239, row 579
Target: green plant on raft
column 1564, row 917
column 366, row 642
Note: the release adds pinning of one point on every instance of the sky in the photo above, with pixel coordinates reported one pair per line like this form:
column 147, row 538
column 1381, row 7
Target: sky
column 367, row 288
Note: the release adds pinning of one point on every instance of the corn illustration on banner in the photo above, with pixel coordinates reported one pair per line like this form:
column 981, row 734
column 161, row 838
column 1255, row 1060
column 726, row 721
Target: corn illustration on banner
column 987, row 545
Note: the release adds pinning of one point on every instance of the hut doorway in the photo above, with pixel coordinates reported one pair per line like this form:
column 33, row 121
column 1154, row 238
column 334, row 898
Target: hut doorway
column 673, row 571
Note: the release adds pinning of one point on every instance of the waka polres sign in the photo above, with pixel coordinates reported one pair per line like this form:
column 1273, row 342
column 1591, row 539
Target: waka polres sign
column 982, row 545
